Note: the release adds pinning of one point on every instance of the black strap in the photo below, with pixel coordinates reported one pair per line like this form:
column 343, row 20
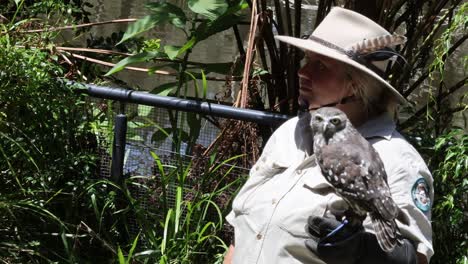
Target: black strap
column 304, row 107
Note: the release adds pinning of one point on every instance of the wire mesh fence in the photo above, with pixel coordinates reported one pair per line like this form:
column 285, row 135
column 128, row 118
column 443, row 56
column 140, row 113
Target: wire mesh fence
column 152, row 134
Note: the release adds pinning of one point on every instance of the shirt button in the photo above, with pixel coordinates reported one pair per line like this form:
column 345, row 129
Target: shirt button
column 259, row 236
column 273, row 201
column 299, row 172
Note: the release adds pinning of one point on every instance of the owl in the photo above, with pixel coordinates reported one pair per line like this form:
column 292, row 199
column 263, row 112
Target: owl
column 356, row 172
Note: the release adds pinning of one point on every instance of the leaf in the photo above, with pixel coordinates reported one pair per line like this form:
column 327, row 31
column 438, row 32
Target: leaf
column 172, row 51
column 141, row 25
column 204, row 84
column 188, row 45
column 140, row 57
column 211, row 9
column 120, row 256
column 161, row 13
column 164, row 89
column 130, row 253
column 175, row 15
column 144, row 110
column 223, row 22
column 161, row 134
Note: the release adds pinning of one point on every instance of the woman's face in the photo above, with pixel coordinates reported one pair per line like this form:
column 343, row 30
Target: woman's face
column 322, row 81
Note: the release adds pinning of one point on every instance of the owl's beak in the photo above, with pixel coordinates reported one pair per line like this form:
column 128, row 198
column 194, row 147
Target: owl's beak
column 327, row 129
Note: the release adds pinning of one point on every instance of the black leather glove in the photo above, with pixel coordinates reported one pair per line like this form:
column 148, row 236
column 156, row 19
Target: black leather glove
column 337, row 243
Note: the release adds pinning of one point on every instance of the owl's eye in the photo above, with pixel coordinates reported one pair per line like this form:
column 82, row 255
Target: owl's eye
column 318, row 118
column 335, row 121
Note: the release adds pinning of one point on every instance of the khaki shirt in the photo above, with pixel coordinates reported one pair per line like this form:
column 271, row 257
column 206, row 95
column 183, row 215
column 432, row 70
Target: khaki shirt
column 270, row 212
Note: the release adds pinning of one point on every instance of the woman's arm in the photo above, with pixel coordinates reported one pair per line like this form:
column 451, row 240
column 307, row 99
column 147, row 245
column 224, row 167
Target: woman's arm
column 228, row 256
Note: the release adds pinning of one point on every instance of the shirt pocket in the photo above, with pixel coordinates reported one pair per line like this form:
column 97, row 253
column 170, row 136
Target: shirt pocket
column 304, row 201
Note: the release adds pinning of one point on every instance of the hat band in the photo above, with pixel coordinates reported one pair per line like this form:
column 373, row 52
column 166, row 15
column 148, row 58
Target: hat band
column 351, row 54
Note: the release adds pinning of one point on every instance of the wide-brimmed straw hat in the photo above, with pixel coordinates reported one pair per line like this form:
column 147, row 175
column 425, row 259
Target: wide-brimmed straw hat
column 353, row 39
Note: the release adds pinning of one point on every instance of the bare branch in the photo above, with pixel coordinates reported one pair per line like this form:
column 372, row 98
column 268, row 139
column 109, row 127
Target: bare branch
column 109, row 64
column 126, row 20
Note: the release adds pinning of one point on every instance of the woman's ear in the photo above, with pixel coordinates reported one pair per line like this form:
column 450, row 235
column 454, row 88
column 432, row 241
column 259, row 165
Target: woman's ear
column 351, row 87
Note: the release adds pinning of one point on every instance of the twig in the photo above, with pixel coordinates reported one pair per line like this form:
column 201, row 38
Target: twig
column 101, row 51
column 105, row 63
column 72, row 64
column 126, row 20
column 109, row 64
column 83, row 226
column 243, row 93
column 111, row 52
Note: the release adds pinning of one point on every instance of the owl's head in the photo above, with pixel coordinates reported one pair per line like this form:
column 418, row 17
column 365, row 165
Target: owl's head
column 327, row 121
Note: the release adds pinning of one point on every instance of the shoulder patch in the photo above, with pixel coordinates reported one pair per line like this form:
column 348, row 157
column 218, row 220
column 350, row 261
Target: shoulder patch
column 420, row 194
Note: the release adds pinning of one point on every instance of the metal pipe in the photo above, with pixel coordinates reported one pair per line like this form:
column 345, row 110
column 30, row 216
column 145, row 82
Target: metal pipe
column 144, row 98
column 118, row 150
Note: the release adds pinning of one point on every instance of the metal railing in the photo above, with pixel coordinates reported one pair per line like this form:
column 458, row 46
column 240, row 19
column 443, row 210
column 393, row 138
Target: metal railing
column 186, row 105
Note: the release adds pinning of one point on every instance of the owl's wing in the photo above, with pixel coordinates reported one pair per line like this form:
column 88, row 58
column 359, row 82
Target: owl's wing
column 384, row 204
column 357, row 172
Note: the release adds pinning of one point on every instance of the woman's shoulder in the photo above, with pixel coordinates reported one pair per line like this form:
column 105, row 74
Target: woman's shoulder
column 283, row 145
column 398, row 154
column 287, row 127
column 396, row 145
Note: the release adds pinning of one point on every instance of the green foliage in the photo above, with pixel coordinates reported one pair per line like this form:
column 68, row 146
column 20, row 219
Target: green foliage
column 221, row 16
column 443, row 44
column 211, row 9
column 46, row 139
column 450, row 165
column 140, row 57
column 45, row 154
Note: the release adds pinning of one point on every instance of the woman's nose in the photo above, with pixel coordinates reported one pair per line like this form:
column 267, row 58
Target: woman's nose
column 305, row 72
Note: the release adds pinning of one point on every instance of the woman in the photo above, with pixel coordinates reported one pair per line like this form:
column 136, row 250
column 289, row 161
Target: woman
column 279, row 216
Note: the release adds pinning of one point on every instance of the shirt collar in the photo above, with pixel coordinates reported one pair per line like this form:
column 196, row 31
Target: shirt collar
column 381, row 126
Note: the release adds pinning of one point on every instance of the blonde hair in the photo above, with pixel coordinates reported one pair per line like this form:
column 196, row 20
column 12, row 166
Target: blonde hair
column 375, row 96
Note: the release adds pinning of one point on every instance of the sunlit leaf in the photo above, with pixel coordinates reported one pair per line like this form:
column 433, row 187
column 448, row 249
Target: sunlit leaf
column 160, row 13
column 174, row 51
column 120, row 256
column 188, row 45
column 228, row 19
column 171, row 51
column 208, row 8
column 204, row 84
column 141, row 25
column 175, row 15
column 140, row 57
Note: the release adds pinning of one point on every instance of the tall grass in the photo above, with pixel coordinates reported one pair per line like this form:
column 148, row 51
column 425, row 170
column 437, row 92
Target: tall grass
column 184, row 223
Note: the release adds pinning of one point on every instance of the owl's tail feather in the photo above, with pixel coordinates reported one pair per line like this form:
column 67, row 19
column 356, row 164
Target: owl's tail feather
column 387, row 232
